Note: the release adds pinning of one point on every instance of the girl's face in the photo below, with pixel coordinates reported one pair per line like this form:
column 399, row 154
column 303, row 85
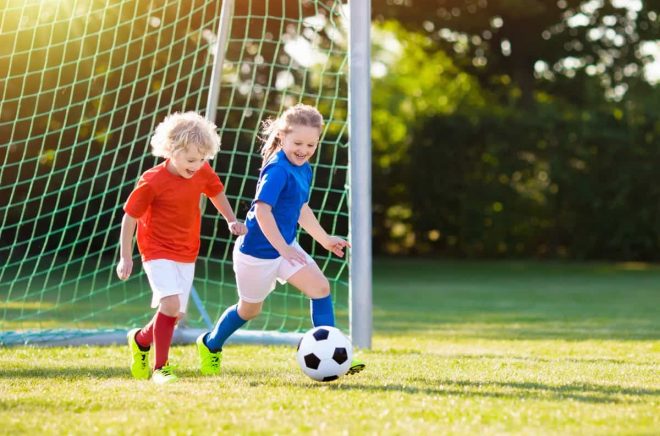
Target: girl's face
column 299, row 144
column 185, row 162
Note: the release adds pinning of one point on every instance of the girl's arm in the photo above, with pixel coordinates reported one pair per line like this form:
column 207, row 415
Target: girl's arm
column 264, row 213
column 312, row 226
column 125, row 265
column 222, row 204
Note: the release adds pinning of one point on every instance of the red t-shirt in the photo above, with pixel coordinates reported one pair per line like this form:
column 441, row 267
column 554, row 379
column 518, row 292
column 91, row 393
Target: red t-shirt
column 166, row 207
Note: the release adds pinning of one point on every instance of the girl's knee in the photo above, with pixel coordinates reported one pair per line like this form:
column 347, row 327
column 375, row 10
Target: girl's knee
column 248, row 311
column 324, row 288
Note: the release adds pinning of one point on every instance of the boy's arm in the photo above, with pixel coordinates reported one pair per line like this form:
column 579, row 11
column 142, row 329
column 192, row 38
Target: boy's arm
column 125, row 265
column 264, row 213
column 312, row 226
column 222, row 204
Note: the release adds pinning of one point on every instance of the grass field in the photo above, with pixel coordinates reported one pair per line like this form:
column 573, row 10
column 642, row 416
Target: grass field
column 459, row 348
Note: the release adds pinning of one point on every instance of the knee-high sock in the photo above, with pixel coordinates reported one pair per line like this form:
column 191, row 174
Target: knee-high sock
column 163, row 330
column 229, row 322
column 322, row 311
column 145, row 337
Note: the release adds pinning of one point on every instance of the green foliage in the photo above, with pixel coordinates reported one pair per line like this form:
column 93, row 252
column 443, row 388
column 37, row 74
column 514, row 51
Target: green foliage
column 562, row 183
column 412, row 81
column 535, row 42
column 460, row 170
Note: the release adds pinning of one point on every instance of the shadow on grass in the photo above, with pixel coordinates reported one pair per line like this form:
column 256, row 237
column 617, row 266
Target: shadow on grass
column 72, row 373
column 507, row 357
column 587, row 393
column 582, row 392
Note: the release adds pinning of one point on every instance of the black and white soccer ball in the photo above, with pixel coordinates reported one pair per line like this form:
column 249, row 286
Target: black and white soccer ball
column 324, row 353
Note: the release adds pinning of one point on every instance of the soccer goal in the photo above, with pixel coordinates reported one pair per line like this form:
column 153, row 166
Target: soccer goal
column 85, row 82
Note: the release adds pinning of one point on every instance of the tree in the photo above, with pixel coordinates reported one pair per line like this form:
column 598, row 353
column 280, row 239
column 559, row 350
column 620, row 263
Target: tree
column 536, row 44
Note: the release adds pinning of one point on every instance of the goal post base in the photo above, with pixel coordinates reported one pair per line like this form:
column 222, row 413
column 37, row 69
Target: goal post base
column 182, row 336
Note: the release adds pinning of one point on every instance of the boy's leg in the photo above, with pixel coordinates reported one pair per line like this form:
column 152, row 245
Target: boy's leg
column 145, row 336
column 170, row 283
column 166, row 318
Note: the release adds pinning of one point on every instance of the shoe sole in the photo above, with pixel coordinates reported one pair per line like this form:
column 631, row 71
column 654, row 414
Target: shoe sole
column 356, row 369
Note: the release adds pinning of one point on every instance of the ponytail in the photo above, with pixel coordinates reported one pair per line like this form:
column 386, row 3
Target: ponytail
column 270, row 136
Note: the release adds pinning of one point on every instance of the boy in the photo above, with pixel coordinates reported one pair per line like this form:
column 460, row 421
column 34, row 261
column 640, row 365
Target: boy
column 164, row 206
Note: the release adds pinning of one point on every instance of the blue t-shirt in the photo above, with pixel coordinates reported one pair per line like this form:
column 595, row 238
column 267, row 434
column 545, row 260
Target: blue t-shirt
column 285, row 187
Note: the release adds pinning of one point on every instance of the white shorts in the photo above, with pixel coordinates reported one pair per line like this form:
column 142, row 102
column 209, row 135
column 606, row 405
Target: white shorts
column 255, row 278
column 167, row 277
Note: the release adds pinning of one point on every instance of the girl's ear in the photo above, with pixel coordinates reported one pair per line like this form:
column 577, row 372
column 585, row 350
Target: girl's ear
column 281, row 135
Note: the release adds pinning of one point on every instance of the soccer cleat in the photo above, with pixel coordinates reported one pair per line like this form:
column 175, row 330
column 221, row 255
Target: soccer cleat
column 164, row 375
column 356, row 366
column 139, row 358
column 209, row 362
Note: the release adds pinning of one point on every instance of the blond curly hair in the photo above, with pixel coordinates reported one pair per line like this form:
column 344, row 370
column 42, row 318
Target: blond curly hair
column 182, row 130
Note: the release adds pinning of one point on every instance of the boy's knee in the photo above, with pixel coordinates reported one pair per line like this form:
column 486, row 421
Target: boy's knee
column 170, row 305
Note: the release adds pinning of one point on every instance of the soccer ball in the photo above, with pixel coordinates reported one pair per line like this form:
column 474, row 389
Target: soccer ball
column 324, row 353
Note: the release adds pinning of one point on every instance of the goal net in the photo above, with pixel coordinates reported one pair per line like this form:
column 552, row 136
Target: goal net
column 85, row 82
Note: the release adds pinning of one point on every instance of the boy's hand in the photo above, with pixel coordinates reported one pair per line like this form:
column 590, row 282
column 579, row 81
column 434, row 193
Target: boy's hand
column 124, row 268
column 293, row 256
column 336, row 245
column 237, row 228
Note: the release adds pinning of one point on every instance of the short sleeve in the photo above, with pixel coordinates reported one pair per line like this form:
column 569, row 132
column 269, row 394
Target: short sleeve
column 271, row 184
column 310, row 176
column 213, row 186
column 140, row 199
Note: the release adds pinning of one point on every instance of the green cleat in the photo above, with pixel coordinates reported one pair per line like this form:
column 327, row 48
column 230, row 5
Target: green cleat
column 209, row 362
column 356, row 366
column 164, row 375
column 139, row 358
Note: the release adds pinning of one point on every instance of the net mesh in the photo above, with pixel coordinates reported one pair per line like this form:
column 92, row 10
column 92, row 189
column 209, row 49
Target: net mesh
column 86, row 82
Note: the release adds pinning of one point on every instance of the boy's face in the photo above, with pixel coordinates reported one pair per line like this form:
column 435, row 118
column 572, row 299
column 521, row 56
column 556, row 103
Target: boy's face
column 186, row 162
column 300, row 143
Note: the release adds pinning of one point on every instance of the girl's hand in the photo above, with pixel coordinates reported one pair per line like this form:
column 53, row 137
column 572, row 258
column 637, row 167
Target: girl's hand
column 293, row 256
column 124, row 268
column 237, row 228
column 336, row 245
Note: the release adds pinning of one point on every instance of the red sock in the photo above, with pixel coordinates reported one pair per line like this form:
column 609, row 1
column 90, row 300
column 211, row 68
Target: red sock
column 145, row 337
column 163, row 328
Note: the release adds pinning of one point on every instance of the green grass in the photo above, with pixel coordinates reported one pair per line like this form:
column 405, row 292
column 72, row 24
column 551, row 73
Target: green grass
column 459, row 348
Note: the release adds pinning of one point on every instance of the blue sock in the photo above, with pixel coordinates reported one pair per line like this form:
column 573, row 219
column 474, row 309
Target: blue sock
column 322, row 311
column 229, row 322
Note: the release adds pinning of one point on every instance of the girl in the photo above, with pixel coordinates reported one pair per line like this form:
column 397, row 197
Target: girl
column 269, row 250
column 164, row 206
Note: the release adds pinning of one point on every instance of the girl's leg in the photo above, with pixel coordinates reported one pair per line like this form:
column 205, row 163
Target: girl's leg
column 311, row 282
column 231, row 320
